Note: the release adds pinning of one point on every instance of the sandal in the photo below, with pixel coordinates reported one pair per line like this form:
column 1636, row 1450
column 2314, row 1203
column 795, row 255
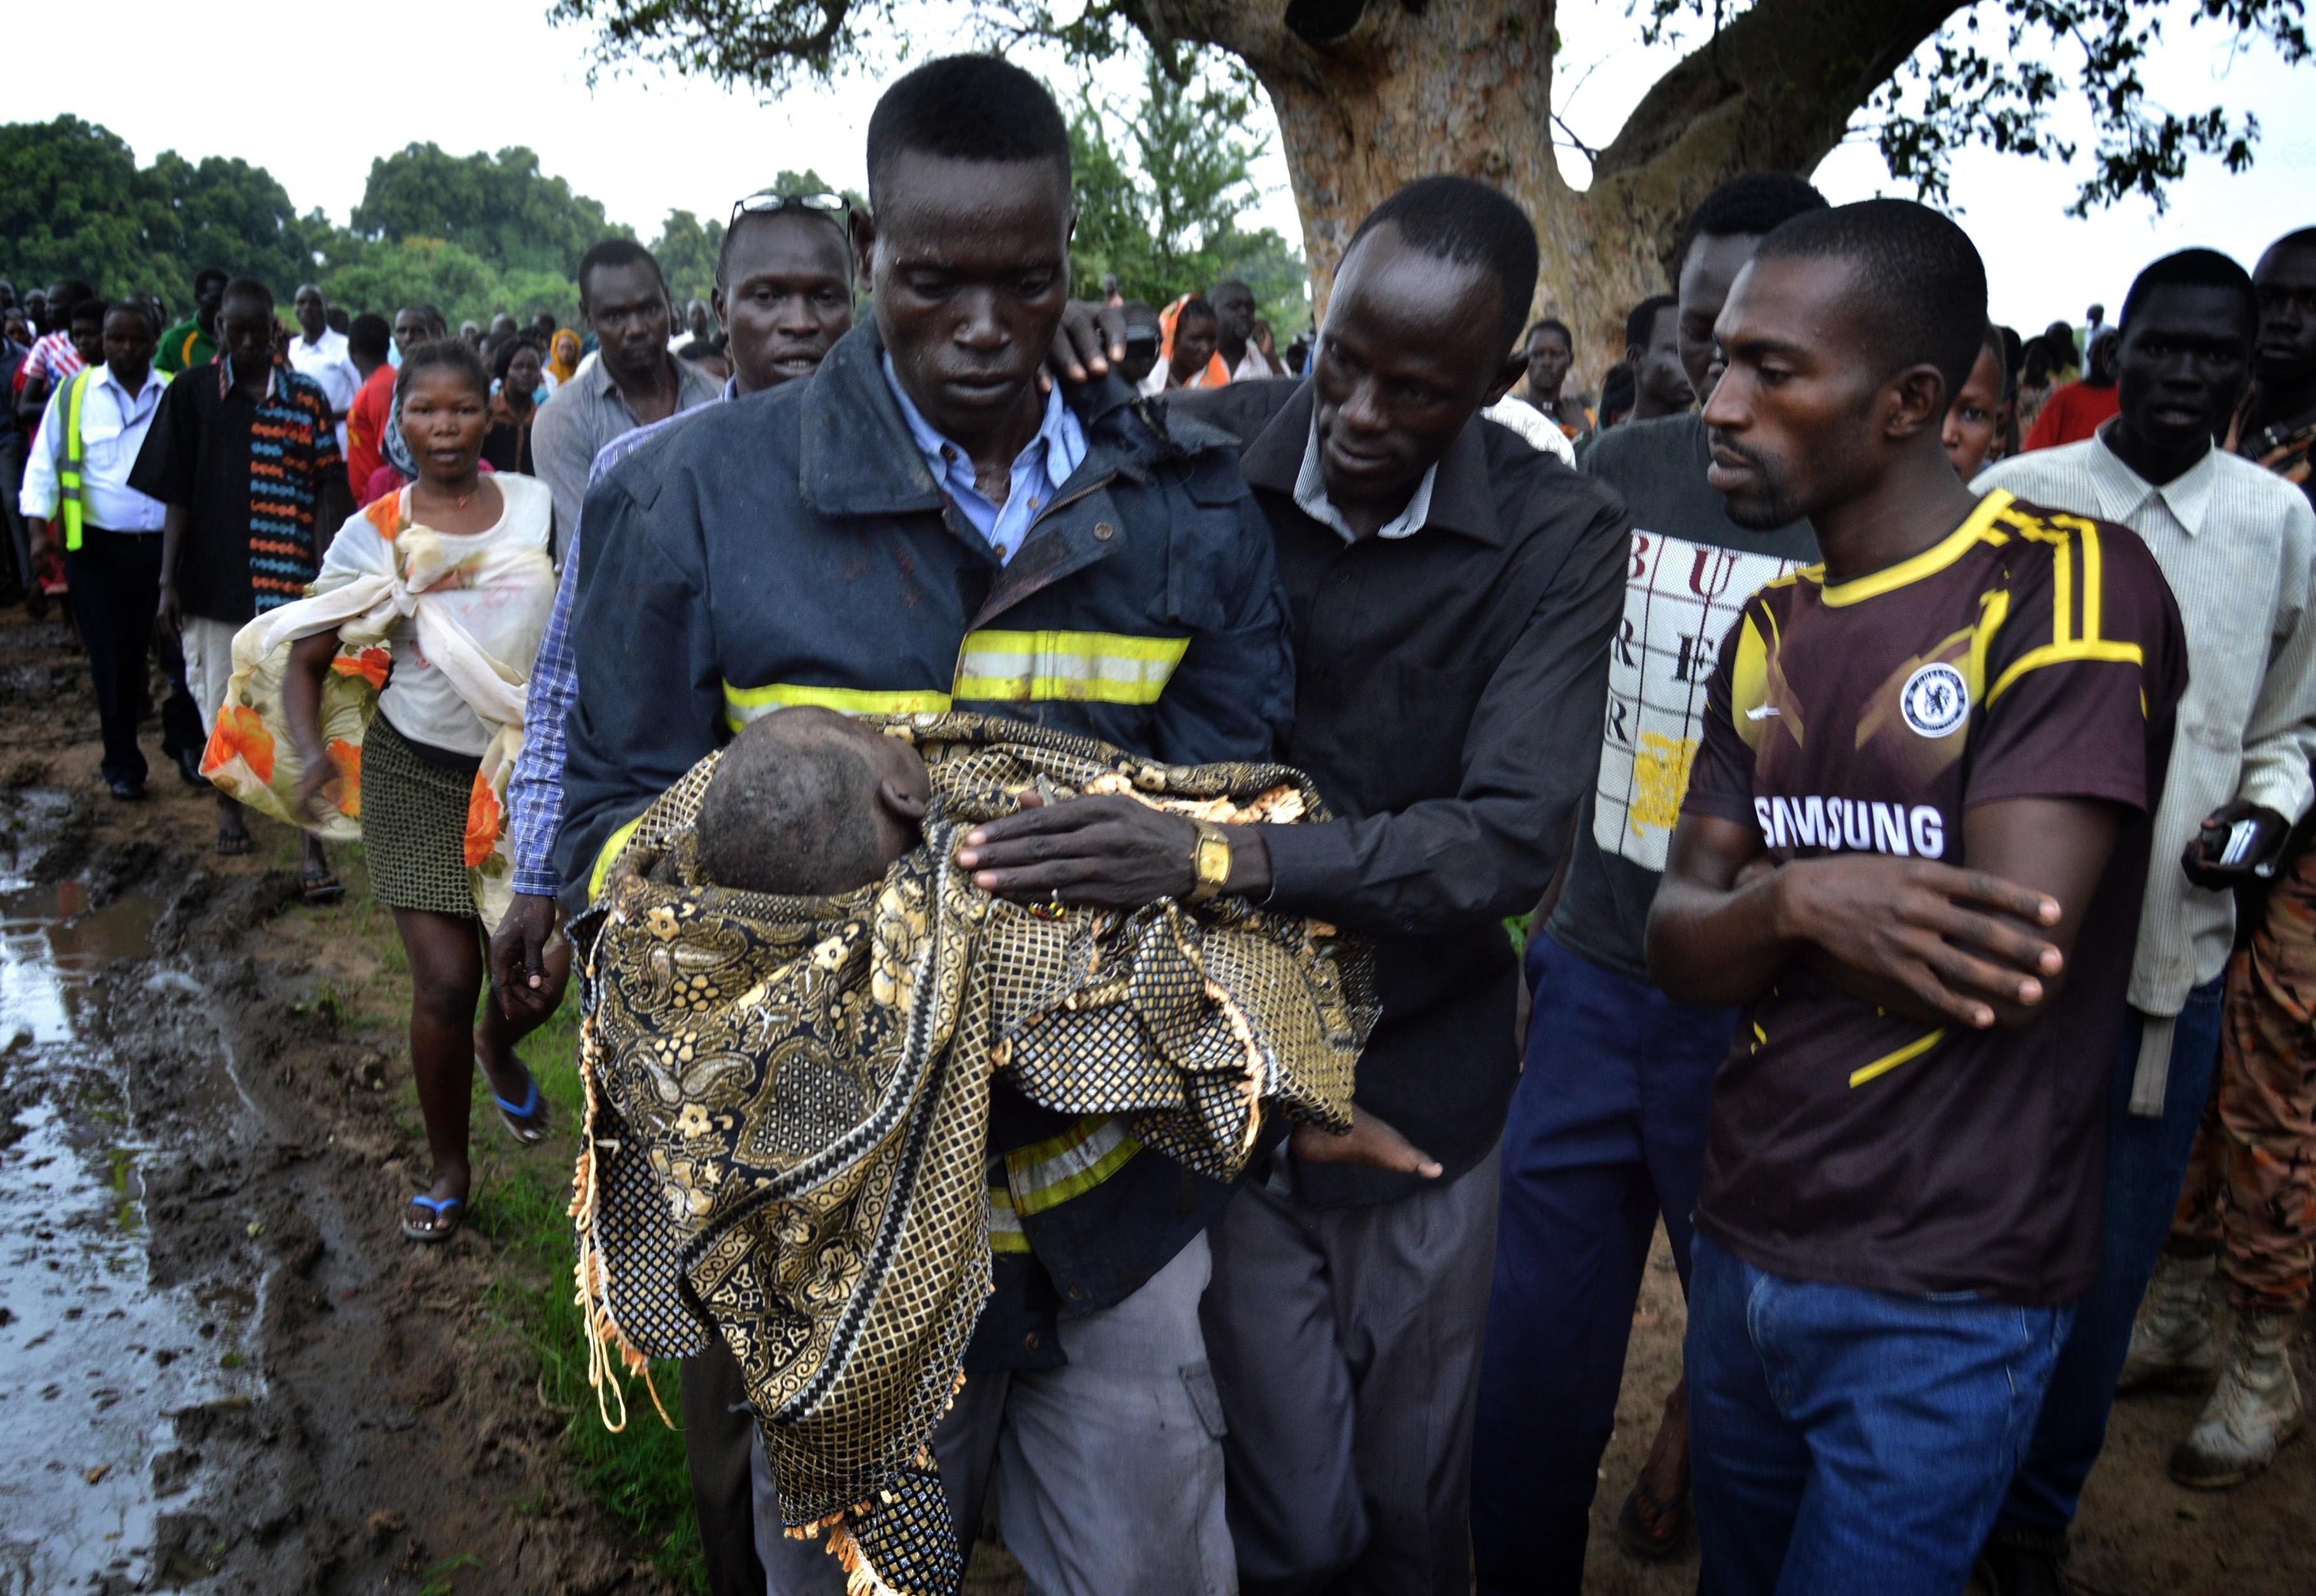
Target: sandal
column 526, row 1122
column 1679, row 1526
column 233, row 843
column 437, row 1231
column 320, row 889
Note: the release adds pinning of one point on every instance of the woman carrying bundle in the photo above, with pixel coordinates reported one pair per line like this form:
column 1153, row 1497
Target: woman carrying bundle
column 456, row 570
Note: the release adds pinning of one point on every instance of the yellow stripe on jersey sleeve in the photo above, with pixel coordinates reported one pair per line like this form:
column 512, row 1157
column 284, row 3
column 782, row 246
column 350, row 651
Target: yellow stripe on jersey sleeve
column 2075, row 578
column 2064, row 653
column 1993, row 609
column 2091, row 543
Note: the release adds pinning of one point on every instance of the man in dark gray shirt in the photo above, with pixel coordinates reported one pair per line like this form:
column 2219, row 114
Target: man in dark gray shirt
column 634, row 382
column 1606, row 1127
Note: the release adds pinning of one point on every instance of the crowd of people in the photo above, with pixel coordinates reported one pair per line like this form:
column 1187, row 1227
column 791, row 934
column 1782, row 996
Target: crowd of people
column 1899, row 730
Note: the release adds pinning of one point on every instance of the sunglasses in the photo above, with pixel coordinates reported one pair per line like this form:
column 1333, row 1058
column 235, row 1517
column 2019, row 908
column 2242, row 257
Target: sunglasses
column 836, row 208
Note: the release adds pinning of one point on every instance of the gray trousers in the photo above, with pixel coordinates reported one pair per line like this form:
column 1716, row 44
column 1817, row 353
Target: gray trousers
column 719, row 1443
column 1109, row 1470
column 1346, row 1344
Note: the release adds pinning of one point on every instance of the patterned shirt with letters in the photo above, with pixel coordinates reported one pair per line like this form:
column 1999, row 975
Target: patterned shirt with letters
column 2028, row 654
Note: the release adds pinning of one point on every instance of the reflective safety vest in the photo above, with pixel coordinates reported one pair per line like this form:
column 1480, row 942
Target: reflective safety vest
column 70, row 510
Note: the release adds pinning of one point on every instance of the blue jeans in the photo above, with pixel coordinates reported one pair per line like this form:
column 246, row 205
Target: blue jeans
column 1607, row 1133
column 1847, row 1440
column 2146, row 1162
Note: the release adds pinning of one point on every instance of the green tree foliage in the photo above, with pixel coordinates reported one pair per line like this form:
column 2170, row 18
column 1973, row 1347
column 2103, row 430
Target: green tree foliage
column 231, row 214
column 74, row 204
column 1162, row 182
column 499, row 209
column 686, row 254
column 385, row 277
column 474, row 233
column 1370, row 93
column 687, row 248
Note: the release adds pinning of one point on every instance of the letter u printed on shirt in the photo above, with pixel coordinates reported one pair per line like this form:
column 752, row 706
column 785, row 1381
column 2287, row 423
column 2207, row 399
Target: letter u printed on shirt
column 1680, row 599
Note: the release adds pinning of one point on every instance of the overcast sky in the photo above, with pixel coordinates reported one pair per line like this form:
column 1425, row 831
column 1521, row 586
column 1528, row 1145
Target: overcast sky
column 484, row 74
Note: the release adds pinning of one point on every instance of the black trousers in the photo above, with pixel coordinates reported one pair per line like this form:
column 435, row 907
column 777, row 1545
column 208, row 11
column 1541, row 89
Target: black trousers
column 115, row 579
column 718, row 1442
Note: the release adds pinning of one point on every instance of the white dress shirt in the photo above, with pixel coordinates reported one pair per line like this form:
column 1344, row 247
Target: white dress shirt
column 2238, row 544
column 327, row 362
column 113, row 423
column 1311, row 498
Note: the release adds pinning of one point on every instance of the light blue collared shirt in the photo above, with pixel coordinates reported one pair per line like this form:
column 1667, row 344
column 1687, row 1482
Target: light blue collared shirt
column 1043, row 465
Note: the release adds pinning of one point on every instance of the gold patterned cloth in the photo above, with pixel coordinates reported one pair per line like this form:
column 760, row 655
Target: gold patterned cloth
column 788, row 1101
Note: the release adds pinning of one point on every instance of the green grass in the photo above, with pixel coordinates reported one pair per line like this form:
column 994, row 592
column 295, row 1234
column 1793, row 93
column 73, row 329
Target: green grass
column 523, row 1200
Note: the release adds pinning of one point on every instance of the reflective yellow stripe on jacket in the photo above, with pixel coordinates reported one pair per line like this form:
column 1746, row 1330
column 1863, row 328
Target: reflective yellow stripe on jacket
column 995, row 667
column 1052, row 1171
column 1093, row 667
column 68, row 478
column 744, row 704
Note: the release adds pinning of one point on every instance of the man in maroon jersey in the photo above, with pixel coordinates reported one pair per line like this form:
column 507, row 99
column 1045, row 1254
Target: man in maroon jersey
column 1913, row 847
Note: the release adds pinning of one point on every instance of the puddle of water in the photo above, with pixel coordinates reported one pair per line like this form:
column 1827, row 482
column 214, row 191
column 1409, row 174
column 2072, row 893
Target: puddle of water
column 92, row 1357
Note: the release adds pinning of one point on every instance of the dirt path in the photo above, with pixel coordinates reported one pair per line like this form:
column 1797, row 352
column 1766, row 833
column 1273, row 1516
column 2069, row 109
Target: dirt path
column 334, row 1410
column 2139, row 1534
column 359, row 1422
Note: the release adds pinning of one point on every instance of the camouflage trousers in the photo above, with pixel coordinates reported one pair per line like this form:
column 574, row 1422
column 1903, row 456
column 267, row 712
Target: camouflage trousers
column 2250, row 1191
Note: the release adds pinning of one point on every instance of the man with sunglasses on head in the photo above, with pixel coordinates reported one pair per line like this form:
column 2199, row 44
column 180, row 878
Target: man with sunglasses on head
column 784, row 296
column 928, row 524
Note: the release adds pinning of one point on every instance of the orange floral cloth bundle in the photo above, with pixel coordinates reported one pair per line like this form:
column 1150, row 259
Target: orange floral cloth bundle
column 471, row 608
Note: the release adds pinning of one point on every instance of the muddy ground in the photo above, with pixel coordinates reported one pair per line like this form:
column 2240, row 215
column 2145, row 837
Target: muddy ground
column 355, row 1417
column 366, row 1426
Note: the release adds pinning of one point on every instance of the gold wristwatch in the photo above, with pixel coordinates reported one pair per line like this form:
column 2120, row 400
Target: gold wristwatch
column 1210, row 861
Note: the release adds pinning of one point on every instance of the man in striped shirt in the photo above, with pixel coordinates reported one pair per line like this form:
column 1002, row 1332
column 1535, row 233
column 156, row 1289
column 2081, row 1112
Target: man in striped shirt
column 2238, row 546
column 54, row 357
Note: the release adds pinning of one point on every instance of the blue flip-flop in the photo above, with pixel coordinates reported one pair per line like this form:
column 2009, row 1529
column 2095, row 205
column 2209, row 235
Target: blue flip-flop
column 439, row 1206
column 526, row 1122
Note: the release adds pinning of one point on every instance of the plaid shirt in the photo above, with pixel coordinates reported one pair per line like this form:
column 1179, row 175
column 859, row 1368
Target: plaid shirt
column 535, row 790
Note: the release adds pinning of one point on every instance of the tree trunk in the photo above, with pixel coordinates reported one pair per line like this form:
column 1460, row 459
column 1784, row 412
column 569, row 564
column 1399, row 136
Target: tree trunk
column 1371, row 95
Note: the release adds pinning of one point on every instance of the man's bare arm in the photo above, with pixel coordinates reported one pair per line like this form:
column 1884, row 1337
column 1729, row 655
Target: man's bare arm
column 1942, row 944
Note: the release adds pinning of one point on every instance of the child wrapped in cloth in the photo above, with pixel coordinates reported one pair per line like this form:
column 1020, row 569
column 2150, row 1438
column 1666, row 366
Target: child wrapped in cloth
column 796, row 1005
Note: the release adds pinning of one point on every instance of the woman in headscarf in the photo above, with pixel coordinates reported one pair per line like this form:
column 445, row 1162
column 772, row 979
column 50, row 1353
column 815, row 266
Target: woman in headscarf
column 1189, row 331
column 423, row 624
column 517, row 391
column 562, row 357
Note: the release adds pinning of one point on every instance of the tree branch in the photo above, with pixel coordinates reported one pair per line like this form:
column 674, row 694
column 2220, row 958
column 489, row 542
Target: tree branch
column 1776, row 86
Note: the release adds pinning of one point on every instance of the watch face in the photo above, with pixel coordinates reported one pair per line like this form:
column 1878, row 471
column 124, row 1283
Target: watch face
column 1213, row 859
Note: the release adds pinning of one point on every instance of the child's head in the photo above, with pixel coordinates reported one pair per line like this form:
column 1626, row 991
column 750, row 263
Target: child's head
column 807, row 802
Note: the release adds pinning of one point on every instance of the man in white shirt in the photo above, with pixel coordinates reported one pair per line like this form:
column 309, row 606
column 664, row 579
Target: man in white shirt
column 319, row 351
column 2238, row 545
column 76, row 492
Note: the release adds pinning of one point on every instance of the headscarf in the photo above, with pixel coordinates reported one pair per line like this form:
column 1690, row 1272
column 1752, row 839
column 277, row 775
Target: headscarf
column 1217, row 374
column 563, row 354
